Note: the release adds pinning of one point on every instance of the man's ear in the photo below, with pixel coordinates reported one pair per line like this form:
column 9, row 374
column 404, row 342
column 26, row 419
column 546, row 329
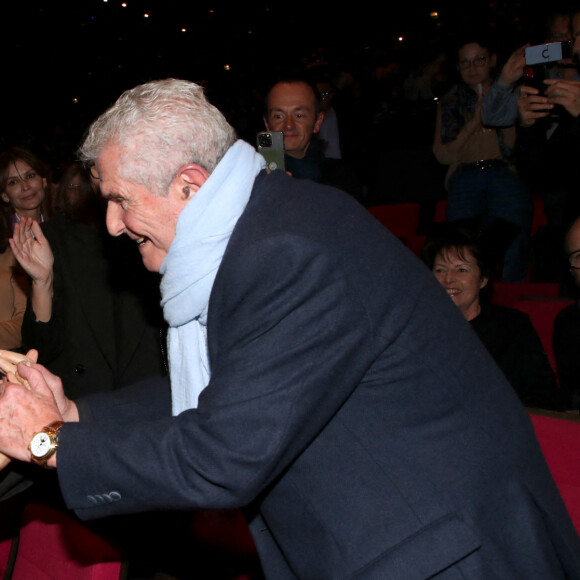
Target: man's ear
column 190, row 178
column 493, row 60
column 266, row 124
column 318, row 123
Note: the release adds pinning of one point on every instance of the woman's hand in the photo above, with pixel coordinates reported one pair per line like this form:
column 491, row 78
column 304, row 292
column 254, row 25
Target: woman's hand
column 33, row 253
column 32, row 250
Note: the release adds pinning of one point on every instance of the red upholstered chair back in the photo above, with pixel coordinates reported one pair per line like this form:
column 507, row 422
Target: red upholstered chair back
column 559, row 438
column 440, row 209
column 402, row 220
column 542, row 313
column 226, row 530
column 508, row 293
column 539, row 219
column 55, row 546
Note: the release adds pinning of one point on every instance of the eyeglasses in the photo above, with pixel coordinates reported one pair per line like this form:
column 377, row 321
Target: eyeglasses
column 92, row 169
column 477, row 62
column 574, row 260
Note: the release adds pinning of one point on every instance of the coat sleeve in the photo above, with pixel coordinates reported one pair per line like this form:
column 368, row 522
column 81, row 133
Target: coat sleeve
column 145, row 400
column 284, row 327
column 499, row 106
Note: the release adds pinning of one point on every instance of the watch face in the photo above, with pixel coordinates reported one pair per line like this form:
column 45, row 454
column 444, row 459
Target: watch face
column 40, row 445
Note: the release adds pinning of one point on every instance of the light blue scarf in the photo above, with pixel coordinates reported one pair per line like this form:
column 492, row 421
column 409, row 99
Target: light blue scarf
column 203, row 230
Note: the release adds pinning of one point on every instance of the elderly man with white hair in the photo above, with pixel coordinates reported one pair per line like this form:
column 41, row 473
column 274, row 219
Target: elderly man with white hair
column 320, row 377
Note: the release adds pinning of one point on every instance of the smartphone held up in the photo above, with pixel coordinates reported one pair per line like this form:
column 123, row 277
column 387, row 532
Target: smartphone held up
column 542, row 56
column 549, row 52
column 270, row 144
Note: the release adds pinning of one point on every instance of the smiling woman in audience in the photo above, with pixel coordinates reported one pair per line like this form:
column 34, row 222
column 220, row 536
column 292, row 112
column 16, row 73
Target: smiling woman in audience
column 24, row 184
column 458, row 259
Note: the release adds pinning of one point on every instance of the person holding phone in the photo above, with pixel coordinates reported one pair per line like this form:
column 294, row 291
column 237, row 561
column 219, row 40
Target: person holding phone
column 548, row 132
column 293, row 105
column 482, row 184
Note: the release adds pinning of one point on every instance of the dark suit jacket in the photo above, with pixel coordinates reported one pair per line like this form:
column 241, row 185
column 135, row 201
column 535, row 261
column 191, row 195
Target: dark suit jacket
column 106, row 328
column 351, row 409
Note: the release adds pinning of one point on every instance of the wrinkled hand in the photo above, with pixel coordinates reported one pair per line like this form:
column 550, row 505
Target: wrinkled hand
column 565, row 93
column 66, row 407
column 22, row 369
column 32, row 250
column 532, row 106
column 513, row 69
column 8, row 367
column 23, row 410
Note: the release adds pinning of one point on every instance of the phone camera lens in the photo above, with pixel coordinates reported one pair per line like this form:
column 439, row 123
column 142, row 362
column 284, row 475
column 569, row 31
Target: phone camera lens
column 265, row 140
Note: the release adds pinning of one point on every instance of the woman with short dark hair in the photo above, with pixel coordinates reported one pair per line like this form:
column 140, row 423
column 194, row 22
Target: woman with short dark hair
column 461, row 263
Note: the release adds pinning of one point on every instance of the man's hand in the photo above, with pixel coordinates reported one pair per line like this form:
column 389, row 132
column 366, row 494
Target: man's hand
column 25, row 411
column 66, row 407
column 31, row 397
column 565, row 93
column 532, row 106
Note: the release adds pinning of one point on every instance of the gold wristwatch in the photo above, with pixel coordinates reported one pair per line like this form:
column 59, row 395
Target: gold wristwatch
column 44, row 443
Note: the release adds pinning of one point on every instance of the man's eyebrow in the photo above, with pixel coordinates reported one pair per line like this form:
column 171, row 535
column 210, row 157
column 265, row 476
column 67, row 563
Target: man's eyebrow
column 111, row 195
column 282, row 109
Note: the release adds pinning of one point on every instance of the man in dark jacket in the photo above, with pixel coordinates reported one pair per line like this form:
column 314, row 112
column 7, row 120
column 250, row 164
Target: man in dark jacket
column 320, row 376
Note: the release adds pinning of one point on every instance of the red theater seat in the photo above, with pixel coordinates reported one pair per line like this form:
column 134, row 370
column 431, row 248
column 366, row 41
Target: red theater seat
column 542, row 312
column 440, row 209
column 53, row 545
column 402, row 220
column 559, row 438
column 539, row 220
column 508, row 293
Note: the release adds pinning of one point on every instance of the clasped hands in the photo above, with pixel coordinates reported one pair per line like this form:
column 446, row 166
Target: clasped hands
column 31, row 397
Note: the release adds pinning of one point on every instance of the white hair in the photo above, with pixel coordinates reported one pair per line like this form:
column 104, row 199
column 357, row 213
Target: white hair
column 160, row 126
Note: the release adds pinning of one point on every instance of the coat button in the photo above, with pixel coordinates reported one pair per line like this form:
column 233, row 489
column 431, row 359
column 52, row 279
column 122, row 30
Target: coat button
column 80, row 369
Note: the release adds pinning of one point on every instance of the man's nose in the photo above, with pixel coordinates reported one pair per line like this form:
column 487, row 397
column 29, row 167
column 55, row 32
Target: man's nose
column 115, row 225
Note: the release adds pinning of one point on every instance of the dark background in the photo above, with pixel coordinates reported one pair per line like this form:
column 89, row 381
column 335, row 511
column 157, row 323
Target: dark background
column 65, row 62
